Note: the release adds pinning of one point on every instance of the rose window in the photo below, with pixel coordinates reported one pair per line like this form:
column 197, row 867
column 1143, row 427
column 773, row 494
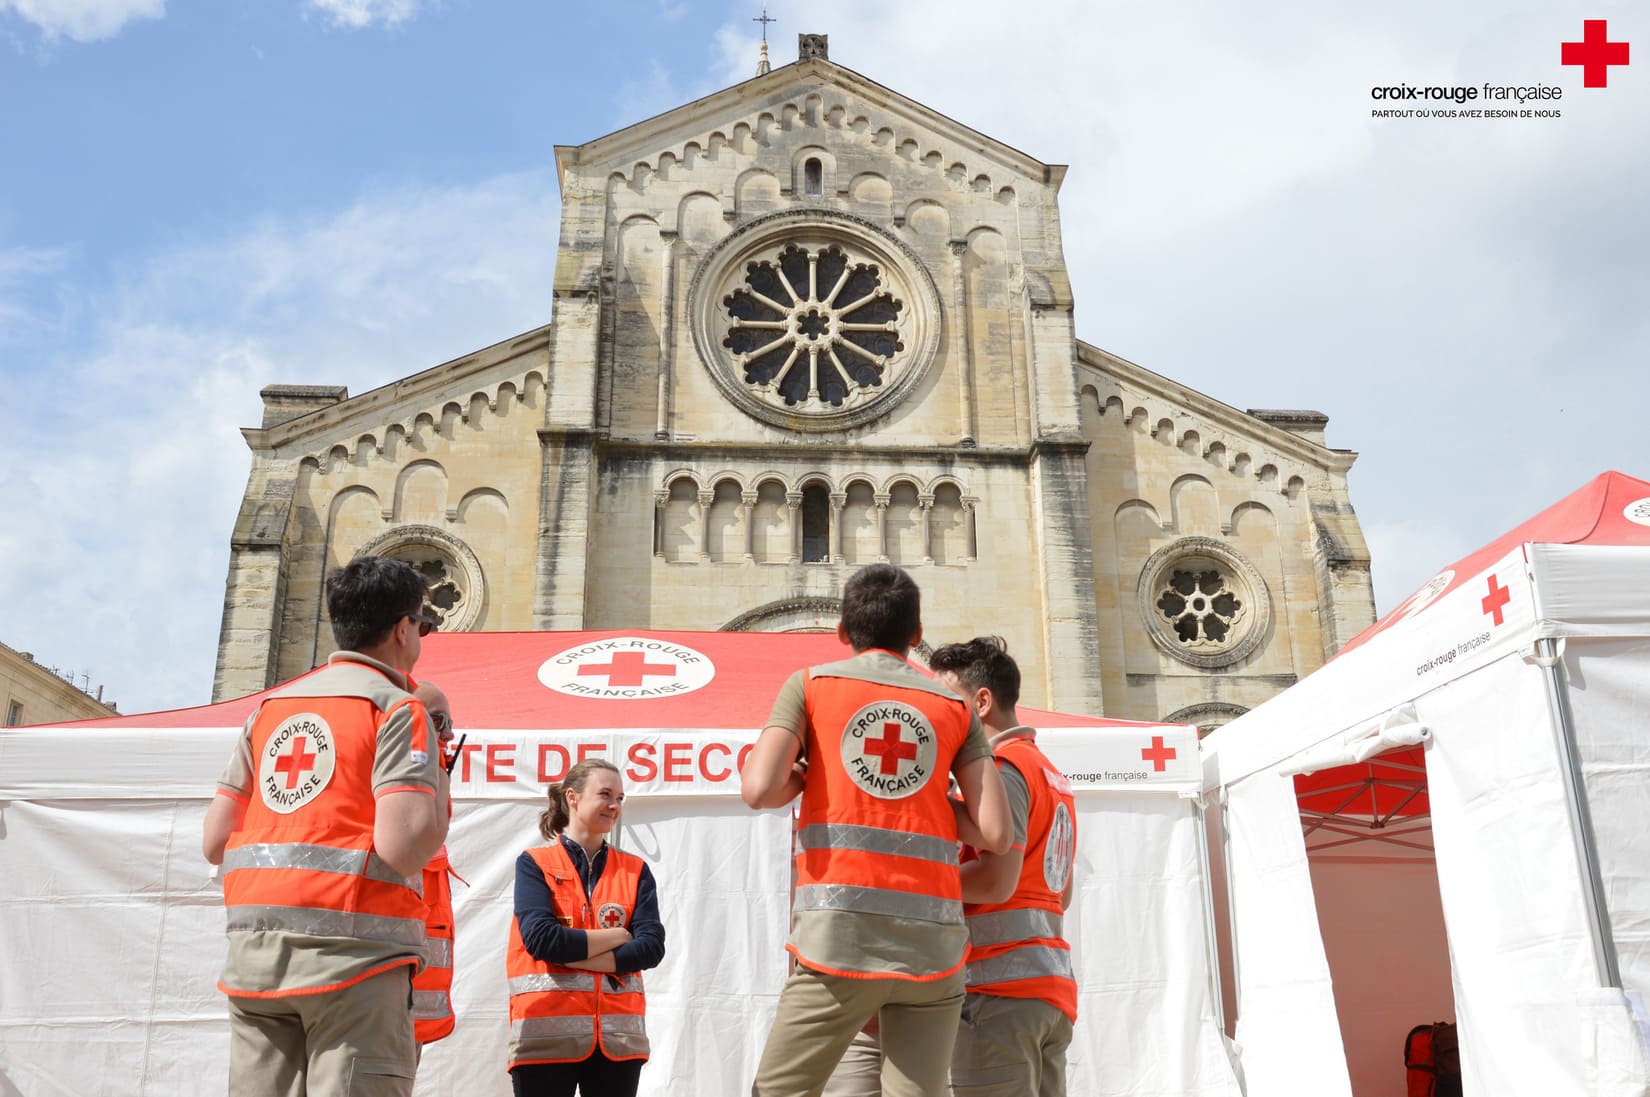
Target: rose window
column 1203, row 602
column 457, row 592
column 446, row 597
column 1199, row 605
column 813, row 327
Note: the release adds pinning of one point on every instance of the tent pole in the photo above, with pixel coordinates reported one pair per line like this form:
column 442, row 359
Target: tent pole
column 1211, row 944
column 1581, row 818
column 1231, row 898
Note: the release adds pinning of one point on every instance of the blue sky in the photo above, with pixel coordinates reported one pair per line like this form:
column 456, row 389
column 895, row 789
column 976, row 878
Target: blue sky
column 201, row 197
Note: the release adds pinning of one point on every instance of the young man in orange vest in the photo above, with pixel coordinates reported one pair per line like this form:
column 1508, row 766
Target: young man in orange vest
column 329, row 809
column 432, row 1000
column 877, row 926
column 1022, row 997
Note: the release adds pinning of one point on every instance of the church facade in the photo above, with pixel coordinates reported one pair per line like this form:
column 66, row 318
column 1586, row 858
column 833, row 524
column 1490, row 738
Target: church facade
column 801, row 325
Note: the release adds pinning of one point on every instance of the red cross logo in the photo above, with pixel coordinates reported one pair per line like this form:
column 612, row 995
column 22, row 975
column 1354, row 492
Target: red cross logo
column 890, row 748
column 1595, row 53
column 296, row 764
column 1157, row 754
column 1496, row 600
column 629, row 668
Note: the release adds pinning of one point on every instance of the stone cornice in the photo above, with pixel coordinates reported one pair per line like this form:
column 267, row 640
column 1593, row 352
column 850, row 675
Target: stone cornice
column 1225, row 416
column 391, row 403
column 771, row 452
column 720, row 111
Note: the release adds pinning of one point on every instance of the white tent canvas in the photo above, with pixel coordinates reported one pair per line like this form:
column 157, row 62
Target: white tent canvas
column 113, row 924
column 1523, row 671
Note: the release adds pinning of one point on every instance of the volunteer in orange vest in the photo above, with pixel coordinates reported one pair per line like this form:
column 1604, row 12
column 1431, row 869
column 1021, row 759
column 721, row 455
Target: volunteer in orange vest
column 432, row 1001
column 1022, row 996
column 586, row 926
column 877, row 925
column 330, row 807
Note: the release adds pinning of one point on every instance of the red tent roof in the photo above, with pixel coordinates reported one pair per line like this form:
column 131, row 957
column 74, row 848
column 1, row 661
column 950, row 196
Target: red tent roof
column 496, row 680
column 1611, row 509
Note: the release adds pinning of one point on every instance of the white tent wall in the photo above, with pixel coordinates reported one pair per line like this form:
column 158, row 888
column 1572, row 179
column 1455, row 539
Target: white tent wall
column 113, row 925
column 1382, row 923
column 1287, row 1031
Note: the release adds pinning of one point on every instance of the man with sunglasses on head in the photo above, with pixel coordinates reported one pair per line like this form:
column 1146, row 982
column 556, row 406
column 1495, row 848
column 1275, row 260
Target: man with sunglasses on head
column 332, row 804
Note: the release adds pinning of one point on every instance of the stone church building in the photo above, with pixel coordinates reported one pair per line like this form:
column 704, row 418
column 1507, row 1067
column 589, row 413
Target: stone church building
column 797, row 326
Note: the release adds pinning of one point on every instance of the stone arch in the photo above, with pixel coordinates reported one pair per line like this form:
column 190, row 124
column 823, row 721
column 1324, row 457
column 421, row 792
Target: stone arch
column 904, row 522
column 756, row 192
column 1206, row 715
column 811, row 614
column 699, row 219
column 771, row 517
column 1194, row 506
column 947, row 521
column 813, row 172
column 420, row 493
column 860, row 543
column 725, row 532
column 480, row 496
column 681, row 518
column 927, row 217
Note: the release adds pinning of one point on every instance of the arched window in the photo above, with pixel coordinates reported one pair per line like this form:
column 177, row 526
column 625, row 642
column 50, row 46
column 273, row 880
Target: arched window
column 816, row 523
column 813, row 178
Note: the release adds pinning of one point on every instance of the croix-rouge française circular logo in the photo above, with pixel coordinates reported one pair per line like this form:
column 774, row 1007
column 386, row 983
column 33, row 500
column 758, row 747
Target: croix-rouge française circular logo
column 627, row 668
column 889, row 749
column 610, row 916
column 296, row 763
column 1637, row 512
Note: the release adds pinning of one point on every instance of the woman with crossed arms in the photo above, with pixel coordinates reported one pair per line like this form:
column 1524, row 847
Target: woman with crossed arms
column 586, row 924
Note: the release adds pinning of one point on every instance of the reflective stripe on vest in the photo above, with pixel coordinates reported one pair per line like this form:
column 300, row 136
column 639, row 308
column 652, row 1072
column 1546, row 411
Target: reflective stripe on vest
column 318, row 858
column 864, row 900
column 1029, row 962
column 440, row 951
column 552, row 1039
column 1007, row 926
column 315, row 922
column 896, row 843
column 540, row 981
column 431, row 1005
column 623, row 1035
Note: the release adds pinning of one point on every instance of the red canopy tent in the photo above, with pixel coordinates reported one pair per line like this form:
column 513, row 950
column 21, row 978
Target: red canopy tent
column 1385, row 798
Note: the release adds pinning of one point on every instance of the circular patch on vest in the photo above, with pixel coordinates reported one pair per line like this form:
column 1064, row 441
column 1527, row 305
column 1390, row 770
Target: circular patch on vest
column 889, row 749
column 1060, row 850
column 296, row 763
column 610, row 916
column 627, row 668
column 1637, row 512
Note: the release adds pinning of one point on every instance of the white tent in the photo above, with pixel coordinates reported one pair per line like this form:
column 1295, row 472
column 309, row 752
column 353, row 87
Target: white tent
column 1523, row 674
column 112, row 924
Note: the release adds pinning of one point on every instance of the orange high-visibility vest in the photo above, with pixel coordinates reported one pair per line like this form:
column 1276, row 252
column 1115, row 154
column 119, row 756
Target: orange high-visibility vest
column 311, row 870
column 560, row 1014
column 432, row 987
column 875, row 831
column 1017, row 948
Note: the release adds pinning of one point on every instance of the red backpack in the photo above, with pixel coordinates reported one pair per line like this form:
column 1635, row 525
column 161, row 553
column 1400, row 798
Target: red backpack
column 1432, row 1060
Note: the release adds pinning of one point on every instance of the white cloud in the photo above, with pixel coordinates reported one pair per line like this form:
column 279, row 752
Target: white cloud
column 118, row 492
column 364, row 13
column 83, row 20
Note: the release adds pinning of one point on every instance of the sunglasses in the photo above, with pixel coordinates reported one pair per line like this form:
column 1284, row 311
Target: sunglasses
column 443, row 722
column 426, row 625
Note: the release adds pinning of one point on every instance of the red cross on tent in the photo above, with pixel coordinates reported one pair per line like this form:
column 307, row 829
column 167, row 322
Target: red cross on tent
column 296, row 763
column 890, row 748
column 1496, row 600
column 629, row 668
column 1595, row 53
column 1158, row 754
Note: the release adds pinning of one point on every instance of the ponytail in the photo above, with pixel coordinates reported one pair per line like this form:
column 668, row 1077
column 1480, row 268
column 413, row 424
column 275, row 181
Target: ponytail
column 553, row 819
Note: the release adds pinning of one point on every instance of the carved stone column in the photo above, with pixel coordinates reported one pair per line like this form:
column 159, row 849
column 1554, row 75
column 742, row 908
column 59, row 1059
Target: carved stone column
column 881, row 498
column 705, row 500
column 660, row 498
column 971, row 538
column 793, row 503
column 747, row 508
column 667, row 332
column 926, row 504
column 838, row 501
column 965, row 344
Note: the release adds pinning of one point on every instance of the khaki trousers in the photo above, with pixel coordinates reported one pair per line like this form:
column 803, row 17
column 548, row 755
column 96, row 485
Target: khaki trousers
column 1010, row 1047
column 859, row 1074
column 819, row 1015
column 352, row 1042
